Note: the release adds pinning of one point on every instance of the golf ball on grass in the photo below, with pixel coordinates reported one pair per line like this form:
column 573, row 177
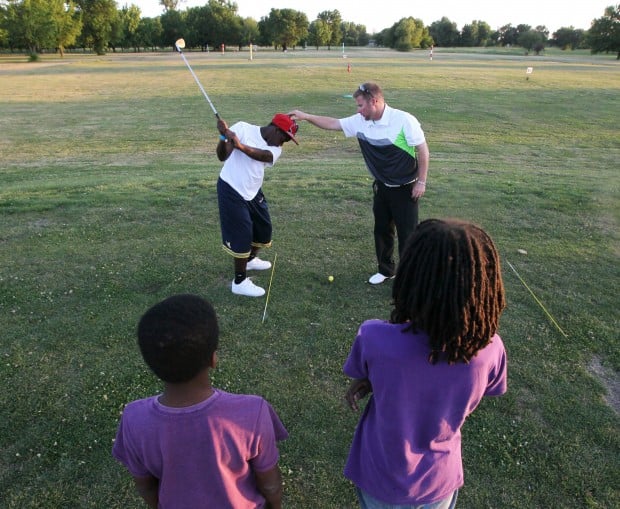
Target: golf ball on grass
column 330, row 279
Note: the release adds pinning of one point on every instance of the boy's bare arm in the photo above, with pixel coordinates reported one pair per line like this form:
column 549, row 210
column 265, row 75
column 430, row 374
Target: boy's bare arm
column 148, row 489
column 269, row 483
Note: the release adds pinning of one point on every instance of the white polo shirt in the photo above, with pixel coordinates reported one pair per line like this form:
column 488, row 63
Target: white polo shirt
column 388, row 144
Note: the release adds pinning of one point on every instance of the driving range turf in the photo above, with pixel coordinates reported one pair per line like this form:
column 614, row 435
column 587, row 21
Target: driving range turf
column 107, row 192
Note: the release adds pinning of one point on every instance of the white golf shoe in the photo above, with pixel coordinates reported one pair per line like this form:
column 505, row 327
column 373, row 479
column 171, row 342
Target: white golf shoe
column 378, row 278
column 247, row 288
column 258, row 264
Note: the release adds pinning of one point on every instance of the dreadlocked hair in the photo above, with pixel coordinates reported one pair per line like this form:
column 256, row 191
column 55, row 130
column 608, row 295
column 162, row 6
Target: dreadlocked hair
column 449, row 285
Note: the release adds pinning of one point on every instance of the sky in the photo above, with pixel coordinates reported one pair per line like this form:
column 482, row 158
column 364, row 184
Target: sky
column 553, row 14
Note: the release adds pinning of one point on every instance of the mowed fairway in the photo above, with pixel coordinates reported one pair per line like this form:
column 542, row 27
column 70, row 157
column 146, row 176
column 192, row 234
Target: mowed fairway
column 108, row 204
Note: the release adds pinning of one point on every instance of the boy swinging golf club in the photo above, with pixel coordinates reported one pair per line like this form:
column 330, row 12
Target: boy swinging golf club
column 246, row 151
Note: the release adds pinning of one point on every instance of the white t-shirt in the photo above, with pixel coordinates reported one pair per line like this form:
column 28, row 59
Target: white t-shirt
column 242, row 173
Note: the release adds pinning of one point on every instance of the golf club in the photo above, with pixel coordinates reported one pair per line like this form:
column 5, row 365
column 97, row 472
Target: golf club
column 180, row 44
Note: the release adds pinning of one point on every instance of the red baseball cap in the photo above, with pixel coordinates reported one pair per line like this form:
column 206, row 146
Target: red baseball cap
column 287, row 124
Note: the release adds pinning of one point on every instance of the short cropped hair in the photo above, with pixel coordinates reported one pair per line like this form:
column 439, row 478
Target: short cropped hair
column 368, row 90
column 449, row 285
column 178, row 336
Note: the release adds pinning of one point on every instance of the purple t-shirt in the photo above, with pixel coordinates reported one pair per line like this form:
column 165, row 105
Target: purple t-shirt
column 407, row 444
column 204, row 455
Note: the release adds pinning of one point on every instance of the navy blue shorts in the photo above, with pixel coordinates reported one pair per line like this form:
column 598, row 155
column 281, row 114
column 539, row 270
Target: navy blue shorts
column 244, row 223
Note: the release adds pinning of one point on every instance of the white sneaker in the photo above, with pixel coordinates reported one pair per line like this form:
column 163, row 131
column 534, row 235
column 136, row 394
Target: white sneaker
column 258, row 264
column 247, row 288
column 378, row 278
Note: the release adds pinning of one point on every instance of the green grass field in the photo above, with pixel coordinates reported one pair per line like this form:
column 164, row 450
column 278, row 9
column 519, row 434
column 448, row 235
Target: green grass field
column 107, row 193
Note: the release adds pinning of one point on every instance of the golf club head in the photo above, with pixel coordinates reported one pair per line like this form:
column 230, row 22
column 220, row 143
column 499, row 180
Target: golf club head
column 180, row 44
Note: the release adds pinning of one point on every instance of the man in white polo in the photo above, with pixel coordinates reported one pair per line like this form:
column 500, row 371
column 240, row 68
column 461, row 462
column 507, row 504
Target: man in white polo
column 396, row 155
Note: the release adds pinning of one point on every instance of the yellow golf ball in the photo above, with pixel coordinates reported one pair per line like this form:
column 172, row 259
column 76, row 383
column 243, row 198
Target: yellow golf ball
column 330, row 279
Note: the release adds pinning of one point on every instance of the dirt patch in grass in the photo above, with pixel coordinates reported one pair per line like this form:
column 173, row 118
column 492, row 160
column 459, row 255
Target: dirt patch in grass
column 610, row 380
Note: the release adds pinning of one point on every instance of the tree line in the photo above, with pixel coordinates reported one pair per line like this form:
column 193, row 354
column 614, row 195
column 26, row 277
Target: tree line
column 36, row 26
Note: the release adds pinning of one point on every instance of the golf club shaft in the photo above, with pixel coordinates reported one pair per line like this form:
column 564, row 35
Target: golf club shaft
column 199, row 84
column 537, row 300
column 273, row 269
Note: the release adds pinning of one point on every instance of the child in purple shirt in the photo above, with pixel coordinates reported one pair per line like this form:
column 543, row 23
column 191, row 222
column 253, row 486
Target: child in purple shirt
column 195, row 446
column 427, row 368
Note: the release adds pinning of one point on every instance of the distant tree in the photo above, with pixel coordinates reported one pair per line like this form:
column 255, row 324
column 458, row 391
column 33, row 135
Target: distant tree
column 354, row 35
column 226, row 26
column 249, row 31
column 544, row 31
column 469, row 36
column 583, row 39
column 116, row 38
column 169, row 5
column 568, row 38
column 444, row 33
column 68, row 24
column 507, row 35
column 264, row 32
column 99, row 18
column 149, row 34
column 30, row 25
column 40, row 24
column 173, row 27
column 478, row 33
column 4, row 33
column 495, row 38
column 363, row 37
column 284, row 27
column 408, row 33
column 197, row 26
column 381, row 38
column 604, row 33
column 333, row 19
column 532, row 40
column 128, row 24
column 484, row 33
column 214, row 24
column 400, row 34
column 319, row 33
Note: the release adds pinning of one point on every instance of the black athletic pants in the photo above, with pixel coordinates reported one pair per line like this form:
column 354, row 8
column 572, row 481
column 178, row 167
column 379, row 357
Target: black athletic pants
column 395, row 212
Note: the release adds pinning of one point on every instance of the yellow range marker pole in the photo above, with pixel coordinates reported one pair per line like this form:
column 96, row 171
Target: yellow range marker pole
column 536, row 299
column 273, row 269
